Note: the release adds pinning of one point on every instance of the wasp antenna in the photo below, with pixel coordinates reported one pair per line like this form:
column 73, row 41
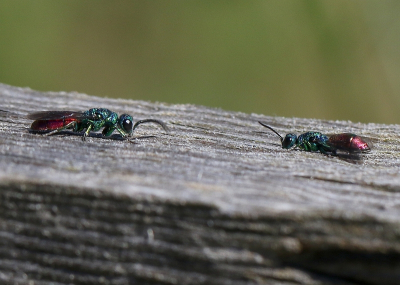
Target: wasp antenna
column 268, row 127
column 150, row 121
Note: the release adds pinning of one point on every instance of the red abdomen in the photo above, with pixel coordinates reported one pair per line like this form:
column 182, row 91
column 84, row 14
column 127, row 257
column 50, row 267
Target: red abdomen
column 349, row 141
column 51, row 125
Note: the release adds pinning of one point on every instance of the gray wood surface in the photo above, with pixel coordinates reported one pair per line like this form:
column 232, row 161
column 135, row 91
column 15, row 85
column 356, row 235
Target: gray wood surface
column 214, row 201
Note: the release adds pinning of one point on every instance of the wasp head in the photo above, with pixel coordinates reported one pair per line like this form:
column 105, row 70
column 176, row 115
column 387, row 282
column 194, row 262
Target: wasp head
column 289, row 141
column 125, row 125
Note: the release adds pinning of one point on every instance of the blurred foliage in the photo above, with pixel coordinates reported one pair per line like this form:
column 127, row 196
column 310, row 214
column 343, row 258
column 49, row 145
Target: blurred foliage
column 322, row 59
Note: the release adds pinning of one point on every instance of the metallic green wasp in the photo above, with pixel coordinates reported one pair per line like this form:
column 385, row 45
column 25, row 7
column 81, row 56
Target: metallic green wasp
column 91, row 120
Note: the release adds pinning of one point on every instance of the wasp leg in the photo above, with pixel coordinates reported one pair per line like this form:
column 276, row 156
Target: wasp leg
column 107, row 131
column 72, row 124
column 86, row 133
column 327, row 151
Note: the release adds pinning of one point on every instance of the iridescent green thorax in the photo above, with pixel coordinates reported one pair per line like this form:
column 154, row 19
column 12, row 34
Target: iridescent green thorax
column 98, row 118
column 313, row 141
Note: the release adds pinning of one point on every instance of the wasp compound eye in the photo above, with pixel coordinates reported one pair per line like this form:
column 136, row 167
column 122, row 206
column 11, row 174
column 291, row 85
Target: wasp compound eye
column 289, row 141
column 126, row 124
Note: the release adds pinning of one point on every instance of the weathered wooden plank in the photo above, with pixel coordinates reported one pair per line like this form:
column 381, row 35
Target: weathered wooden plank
column 214, row 201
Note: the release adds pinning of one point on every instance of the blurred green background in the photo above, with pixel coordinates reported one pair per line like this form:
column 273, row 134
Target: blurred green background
column 332, row 59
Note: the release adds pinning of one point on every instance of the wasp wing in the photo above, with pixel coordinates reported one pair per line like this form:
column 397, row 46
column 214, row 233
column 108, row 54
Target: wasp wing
column 54, row 115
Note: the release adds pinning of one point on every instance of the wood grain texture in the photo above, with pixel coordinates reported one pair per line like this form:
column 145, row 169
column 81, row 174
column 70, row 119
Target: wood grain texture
column 214, row 201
